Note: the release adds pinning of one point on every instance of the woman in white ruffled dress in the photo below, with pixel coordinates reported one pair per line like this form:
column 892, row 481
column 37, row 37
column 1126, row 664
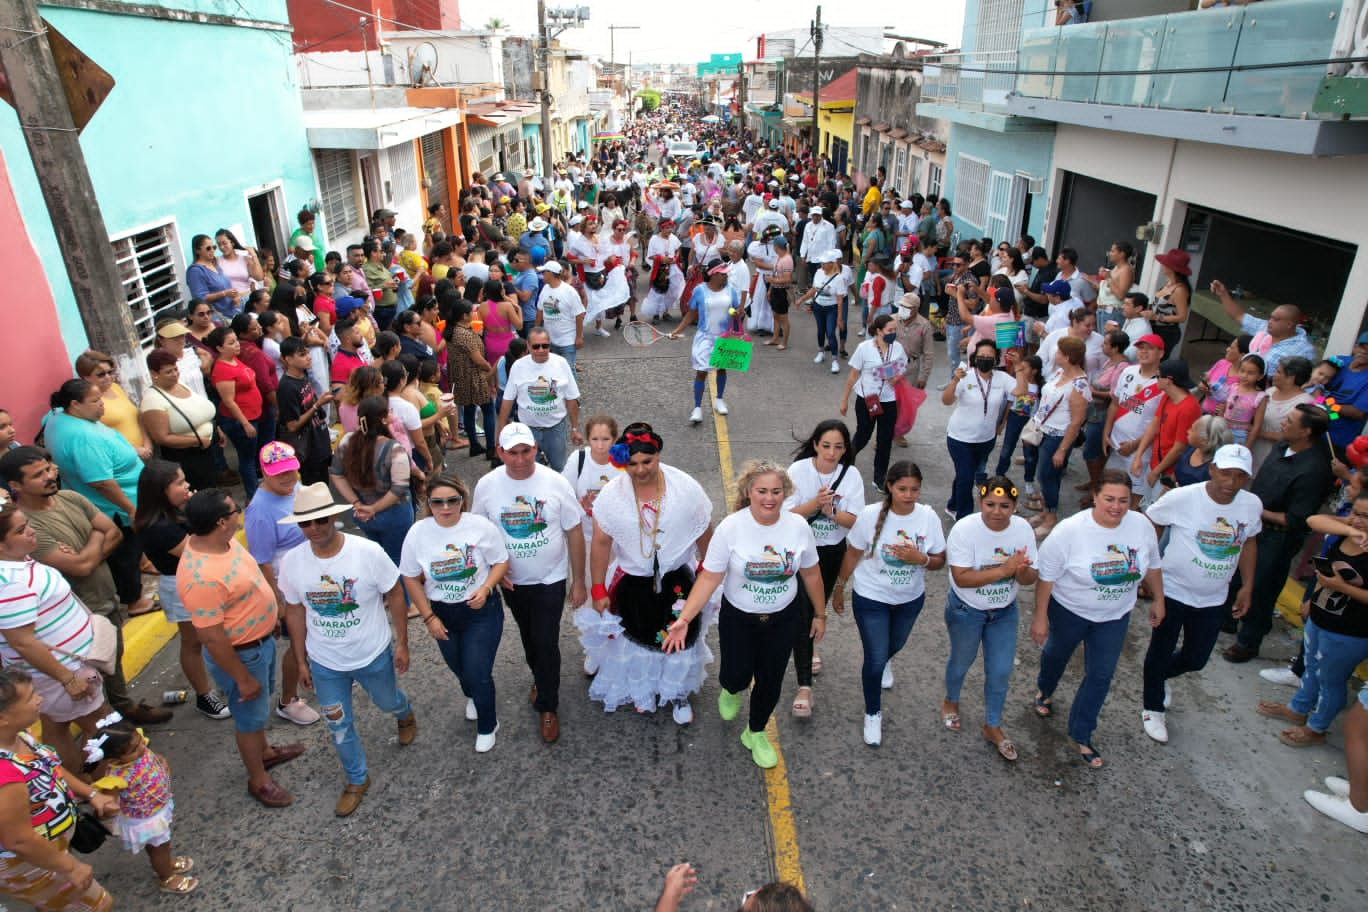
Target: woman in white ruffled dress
column 605, row 283
column 651, row 524
column 666, row 280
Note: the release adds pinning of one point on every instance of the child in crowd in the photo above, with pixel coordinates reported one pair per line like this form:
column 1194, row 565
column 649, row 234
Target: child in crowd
column 1214, row 387
column 1322, row 375
column 1025, row 398
column 141, row 780
column 1245, row 401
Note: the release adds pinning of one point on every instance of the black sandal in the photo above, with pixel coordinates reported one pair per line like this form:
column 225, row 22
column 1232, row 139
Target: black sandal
column 1043, row 707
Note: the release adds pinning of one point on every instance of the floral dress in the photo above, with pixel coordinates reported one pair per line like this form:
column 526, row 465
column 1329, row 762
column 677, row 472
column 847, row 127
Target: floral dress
column 469, row 384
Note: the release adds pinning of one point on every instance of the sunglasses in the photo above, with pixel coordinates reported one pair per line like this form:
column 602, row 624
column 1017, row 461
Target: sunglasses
column 539, row 347
column 230, row 513
column 445, row 503
column 316, row 521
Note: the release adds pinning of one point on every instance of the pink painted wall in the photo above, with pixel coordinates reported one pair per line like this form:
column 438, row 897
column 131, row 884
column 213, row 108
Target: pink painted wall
column 33, row 359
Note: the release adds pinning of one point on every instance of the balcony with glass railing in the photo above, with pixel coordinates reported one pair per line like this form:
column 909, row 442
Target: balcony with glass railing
column 1239, row 60
column 970, row 82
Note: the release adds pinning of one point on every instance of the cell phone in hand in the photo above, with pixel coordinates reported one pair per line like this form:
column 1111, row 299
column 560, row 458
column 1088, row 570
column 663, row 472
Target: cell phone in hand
column 1324, row 566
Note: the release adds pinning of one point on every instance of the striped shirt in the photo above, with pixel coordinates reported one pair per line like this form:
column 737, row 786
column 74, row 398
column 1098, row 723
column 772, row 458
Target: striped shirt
column 35, row 595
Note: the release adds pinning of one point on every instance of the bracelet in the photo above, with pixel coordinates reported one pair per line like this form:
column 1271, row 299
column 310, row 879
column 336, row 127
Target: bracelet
column 429, row 618
column 819, row 617
column 598, row 591
column 69, row 681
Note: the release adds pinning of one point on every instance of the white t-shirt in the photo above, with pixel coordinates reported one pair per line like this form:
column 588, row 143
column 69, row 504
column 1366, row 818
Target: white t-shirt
column 877, row 373
column 344, row 601
column 978, row 405
column 761, row 563
column 589, row 482
column 1093, row 358
column 1126, row 393
column 1053, row 410
column 541, row 389
column 807, row 481
column 559, row 307
column 1096, row 570
column 882, row 577
column 974, row 546
column 830, row 288
column 453, row 561
column 407, row 413
column 533, row 514
column 1205, row 540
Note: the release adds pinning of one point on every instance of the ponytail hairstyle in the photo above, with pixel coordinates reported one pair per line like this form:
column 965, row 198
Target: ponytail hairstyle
column 903, row 468
column 71, row 391
column 752, row 470
column 808, row 448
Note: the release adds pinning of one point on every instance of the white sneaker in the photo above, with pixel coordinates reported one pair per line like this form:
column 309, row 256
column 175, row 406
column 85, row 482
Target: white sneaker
column 1280, row 676
column 887, row 682
column 602, row 332
column 485, row 743
column 1337, row 786
column 719, row 406
column 1168, row 696
column 873, row 729
column 696, row 416
column 472, row 714
column 835, row 366
column 860, row 333
column 590, row 666
column 298, row 712
column 1155, row 726
column 821, row 356
column 682, row 712
column 1337, row 808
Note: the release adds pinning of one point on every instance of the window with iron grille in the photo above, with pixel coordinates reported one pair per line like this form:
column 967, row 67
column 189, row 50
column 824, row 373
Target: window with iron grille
column 971, row 190
column 403, row 172
column 999, row 26
column 150, row 266
column 337, row 189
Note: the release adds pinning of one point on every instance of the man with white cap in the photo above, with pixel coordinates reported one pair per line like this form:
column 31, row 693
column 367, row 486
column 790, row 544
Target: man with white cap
column 561, row 311
column 338, row 589
column 544, row 387
column 907, row 223
column 770, row 215
column 818, row 238
column 539, row 515
column 1212, row 533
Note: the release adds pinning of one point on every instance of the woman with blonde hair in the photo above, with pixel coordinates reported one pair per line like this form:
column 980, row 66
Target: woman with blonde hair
column 759, row 555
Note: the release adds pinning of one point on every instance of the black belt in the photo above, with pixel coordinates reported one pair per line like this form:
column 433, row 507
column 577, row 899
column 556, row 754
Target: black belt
column 239, row 647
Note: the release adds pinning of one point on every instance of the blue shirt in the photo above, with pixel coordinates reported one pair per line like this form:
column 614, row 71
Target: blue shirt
column 87, row 452
column 1298, row 346
column 204, row 281
column 528, row 281
column 1348, row 388
column 267, row 540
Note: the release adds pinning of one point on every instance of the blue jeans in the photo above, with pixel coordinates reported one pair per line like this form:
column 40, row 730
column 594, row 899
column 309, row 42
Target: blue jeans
column 997, row 630
column 334, row 690
column 388, row 528
column 248, row 715
column 1198, row 627
column 567, row 352
column 468, row 421
column 472, row 641
column 1102, row 642
column 1011, row 433
column 954, row 332
column 247, row 449
column 884, row 630
column 1330, row 661
column 826, row 329
column 552, row 442
column 966, row 458
column 1092, row 440
column 1050, row 477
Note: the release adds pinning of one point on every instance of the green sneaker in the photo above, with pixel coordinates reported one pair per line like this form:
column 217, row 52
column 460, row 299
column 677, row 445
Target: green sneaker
column 728, row 705
column 761, row 751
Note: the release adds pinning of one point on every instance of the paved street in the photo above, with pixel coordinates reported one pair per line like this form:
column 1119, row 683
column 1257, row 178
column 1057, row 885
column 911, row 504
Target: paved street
column 932, row 820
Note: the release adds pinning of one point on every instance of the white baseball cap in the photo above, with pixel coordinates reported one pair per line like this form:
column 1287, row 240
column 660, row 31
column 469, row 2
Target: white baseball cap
column 831, row 256
column 906, row 204
column 514, row 434
column 816, row 210
column 774, row 204
column 1234, row 456
column 551, row 266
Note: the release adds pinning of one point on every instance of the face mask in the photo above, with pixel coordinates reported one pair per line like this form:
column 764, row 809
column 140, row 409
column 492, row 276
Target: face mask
column 890, row 338
column 983, row 364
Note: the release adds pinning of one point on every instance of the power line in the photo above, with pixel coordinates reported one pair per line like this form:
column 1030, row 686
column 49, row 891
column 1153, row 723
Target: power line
column 371, row 15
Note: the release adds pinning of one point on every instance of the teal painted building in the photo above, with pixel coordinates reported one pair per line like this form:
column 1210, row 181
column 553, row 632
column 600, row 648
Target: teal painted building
column 531, row 134
column 203, row 130
column 718, row 64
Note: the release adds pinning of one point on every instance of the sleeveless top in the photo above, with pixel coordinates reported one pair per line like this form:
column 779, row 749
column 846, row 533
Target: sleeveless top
column 498, row 333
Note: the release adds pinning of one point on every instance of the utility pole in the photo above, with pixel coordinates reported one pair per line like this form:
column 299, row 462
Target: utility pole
column 816, row 27
column 54, row 145
column 544, row 59
column 612, row 34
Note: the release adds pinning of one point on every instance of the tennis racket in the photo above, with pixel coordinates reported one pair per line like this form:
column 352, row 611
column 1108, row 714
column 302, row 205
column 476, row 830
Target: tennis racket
column 640, row 335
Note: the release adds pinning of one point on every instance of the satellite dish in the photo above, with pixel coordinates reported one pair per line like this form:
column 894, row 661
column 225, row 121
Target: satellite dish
column 423, row 64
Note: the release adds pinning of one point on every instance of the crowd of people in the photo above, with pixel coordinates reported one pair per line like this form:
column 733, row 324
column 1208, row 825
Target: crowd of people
column 1200, row 498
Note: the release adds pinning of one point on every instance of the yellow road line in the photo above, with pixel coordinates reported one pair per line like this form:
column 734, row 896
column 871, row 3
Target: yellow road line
column 783, row 834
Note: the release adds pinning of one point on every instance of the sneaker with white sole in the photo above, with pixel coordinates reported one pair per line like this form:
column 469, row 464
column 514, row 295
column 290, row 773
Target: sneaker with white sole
column 835, row 366
column 860, row 333
column 682, row 712
column 696, row 416
column 472, row 714
column 298, row 712
column 1282, row 676
column 1155, row 726
column 873, row 729
column 212, row 705
column 485, row 743
column 821, row 356
column 887, row 682
column 719, row 406
column 1337, row 786
column 1337, row 808
column 602, row 332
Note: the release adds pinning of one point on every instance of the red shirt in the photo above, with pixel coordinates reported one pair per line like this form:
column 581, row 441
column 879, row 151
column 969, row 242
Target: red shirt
column 1175, row 418
column 343, row 363
column 245, row 391
column 252, row 356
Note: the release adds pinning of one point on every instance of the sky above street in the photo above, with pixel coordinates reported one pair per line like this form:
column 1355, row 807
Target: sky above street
column 703, row 27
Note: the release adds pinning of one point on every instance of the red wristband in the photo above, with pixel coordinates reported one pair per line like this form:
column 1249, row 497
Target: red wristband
column 598, row 591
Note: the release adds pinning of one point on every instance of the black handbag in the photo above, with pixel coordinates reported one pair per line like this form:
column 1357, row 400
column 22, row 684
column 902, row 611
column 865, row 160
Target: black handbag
column 88, row 834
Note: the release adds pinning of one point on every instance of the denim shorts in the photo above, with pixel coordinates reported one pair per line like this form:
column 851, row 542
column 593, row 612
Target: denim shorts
column 170, row 600
column 251, row 716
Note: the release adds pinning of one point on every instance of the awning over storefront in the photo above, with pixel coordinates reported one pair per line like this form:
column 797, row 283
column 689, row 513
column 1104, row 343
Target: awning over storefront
column 381, row 128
